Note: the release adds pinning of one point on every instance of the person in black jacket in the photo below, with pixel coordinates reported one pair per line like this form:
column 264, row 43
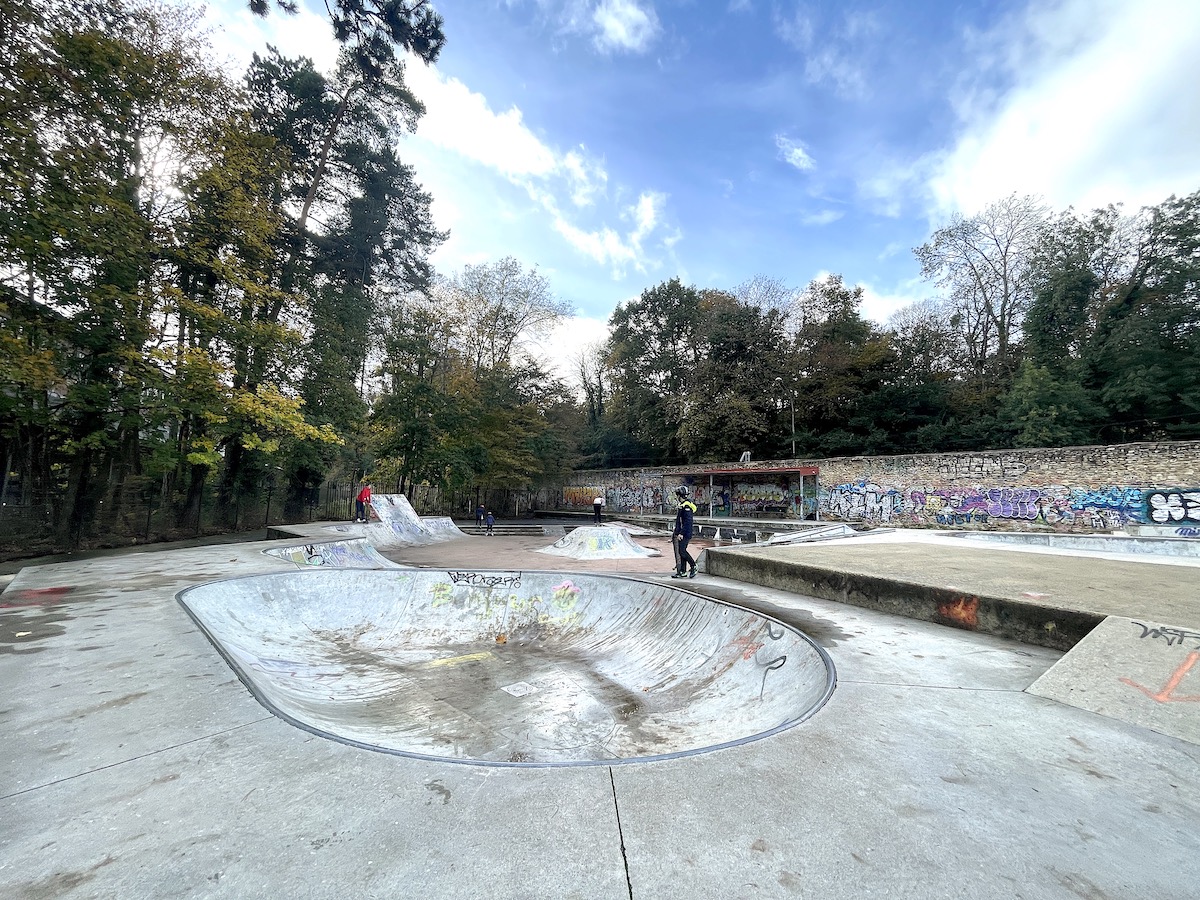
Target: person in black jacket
column 684, row 517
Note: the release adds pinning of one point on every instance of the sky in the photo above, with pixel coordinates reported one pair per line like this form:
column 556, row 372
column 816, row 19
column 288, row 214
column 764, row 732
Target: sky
column 615, row 144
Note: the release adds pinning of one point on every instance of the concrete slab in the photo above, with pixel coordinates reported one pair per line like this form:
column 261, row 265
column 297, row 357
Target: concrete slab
column 1103, row 543
column 931, row 773
column 1051, row 598
column 1137, row 671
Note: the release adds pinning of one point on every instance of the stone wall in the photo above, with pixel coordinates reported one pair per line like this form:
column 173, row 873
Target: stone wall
column 1063, row 489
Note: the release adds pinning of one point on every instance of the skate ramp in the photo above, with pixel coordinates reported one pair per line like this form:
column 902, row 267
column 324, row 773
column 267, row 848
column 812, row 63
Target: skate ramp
column 1134, row 670
column 357, row 553
column 510, row 668
column 398, row 525
column 442, row 528
column 598, row 542
column 819, row 533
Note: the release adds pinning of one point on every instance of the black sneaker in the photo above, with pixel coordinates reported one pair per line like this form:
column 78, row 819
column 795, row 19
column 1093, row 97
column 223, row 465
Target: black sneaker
column 679, row 575
column 692, row 573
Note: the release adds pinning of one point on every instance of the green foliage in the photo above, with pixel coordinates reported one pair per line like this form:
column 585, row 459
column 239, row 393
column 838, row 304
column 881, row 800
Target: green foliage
column 1048, row 411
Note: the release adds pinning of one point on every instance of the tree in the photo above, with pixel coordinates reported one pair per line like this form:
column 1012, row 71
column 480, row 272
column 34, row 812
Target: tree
column 373, row 30
column 983, row 265
column 654, row 349
column 738, row 382
column 1143, row 357
column 499, row 307
column 841, row 361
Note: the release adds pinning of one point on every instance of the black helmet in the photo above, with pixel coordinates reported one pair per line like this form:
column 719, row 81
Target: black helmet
column 681, row 492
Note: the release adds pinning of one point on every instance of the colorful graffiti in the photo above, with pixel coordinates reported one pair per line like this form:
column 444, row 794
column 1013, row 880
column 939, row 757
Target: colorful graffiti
column 628, row 494
column 1100, row 508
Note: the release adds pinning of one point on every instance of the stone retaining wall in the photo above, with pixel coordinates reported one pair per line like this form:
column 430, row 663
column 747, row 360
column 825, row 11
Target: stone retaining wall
column 1062, row 489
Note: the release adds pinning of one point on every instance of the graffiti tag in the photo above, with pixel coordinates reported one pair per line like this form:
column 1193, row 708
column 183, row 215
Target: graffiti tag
column 482, row 580
column 1172, row 636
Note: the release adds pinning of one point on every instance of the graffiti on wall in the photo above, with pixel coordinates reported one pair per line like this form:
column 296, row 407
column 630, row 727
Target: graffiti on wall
column 1168, row 507
column 1005, row 466
column 622, row 494
column 1056, row 505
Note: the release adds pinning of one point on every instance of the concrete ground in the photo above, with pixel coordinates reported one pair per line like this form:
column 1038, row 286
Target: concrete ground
column 133, row 763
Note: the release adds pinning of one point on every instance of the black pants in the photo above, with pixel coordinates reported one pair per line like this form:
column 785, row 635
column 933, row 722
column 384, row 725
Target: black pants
column 685, row 558
column 597, row 507
column 360, row 510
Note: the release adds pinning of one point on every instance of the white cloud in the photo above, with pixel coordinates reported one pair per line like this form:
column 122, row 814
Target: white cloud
column 832, row 55
column 605, row 245
column 623, row 25
column 1100, row 106
column 878, row 305
column 461, row 121
column 572, row 336
column 793, row 153
column 238, row 34
column 824, row 217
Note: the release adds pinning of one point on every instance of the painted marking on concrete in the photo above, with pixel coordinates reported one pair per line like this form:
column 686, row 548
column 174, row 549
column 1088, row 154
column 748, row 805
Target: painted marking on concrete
column 961, row 611
column 1170, row 634
column 748, row 646
column 1159, row 662
column 519, row 689
column 1166, row 694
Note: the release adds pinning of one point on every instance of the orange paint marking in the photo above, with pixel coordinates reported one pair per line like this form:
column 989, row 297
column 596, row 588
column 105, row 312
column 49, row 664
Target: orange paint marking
column 1164, row 696
column 748, row 645
column 961, row 611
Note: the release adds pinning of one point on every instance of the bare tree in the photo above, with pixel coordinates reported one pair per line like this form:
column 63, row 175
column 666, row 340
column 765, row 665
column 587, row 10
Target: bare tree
column 924, row 336
column 590, row 365
column 498, row 308
column 771, row 294
column 984, row 266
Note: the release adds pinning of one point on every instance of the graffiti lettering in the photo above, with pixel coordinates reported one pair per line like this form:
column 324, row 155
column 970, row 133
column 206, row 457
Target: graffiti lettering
column 866, row 500
column 1173, row 506
column 984, row 466
column 480, row 579
column 1172, row 636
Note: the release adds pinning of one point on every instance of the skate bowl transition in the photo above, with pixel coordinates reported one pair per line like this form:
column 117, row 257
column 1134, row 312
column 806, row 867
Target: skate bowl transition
column 509, row 668
column 356, row 553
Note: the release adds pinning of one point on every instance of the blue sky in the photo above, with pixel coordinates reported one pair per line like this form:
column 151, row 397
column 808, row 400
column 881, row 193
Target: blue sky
column 618, row 143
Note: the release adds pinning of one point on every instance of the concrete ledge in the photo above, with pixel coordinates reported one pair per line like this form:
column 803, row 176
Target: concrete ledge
column 1030, row 622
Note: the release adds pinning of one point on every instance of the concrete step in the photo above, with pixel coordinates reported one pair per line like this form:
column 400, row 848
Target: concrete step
column 510, row 530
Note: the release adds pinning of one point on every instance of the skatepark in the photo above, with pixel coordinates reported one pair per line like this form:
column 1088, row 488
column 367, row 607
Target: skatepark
column 175, row 719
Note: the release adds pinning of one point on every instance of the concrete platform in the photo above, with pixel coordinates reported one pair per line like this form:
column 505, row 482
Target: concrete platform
column 134, row 763
column 1038, row 594
column 1138, row 671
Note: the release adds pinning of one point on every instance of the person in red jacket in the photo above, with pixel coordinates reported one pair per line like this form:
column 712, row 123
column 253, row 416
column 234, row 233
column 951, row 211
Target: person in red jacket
column 361, row 503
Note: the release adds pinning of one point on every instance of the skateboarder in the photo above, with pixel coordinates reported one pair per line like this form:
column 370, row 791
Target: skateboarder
column 682, row 534
column 361, row 502
column 491, row 522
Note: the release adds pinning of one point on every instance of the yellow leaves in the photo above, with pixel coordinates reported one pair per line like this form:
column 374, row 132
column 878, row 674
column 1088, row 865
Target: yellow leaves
column 268, row 416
